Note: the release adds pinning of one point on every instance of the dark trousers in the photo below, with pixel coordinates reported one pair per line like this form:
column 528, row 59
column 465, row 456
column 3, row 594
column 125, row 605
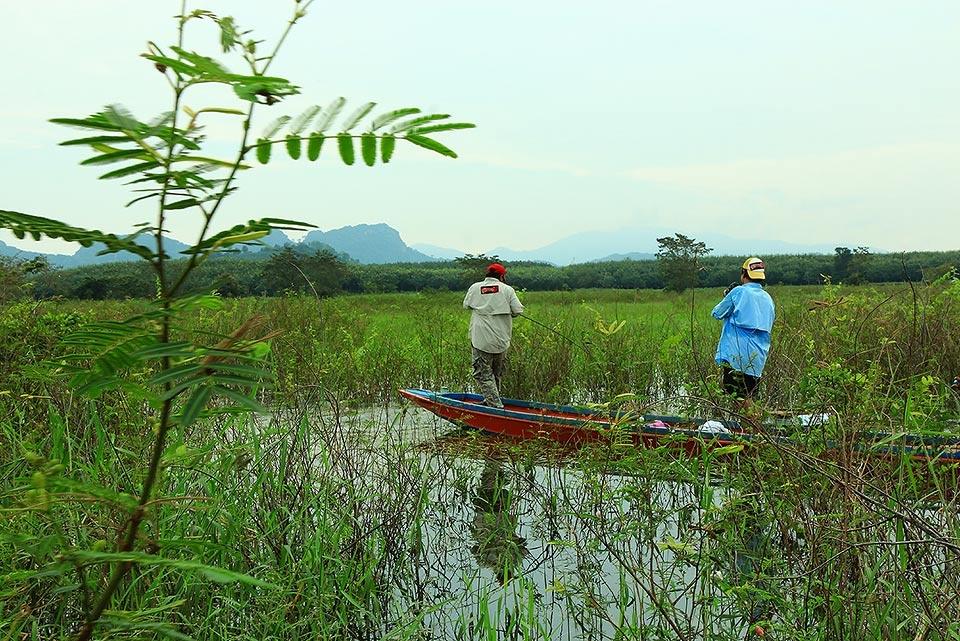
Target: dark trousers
column 487, row 371
column 739, row 384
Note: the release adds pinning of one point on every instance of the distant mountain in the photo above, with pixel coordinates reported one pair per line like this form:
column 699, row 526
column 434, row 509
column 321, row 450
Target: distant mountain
column 596, row 245
column 378, row 243
column 444, row 253
column 88, row 255
column 381, row 243
column 629, row 256
column 276, row 238
column 16, row 252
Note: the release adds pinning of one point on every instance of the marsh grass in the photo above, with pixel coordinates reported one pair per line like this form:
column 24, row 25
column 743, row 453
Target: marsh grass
column 354, row 516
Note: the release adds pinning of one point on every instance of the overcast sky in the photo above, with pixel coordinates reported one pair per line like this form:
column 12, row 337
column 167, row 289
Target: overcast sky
column 815, row 122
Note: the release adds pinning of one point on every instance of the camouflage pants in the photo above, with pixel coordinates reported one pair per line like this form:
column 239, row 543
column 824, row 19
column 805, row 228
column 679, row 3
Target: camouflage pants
column 487, row 371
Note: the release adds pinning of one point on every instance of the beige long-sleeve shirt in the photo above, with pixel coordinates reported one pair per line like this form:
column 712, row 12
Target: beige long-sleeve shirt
column 494, row 304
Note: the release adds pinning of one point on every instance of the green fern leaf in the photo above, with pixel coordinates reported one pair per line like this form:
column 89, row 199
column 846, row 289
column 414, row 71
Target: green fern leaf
column 274, row 127
column 446, row 126
column 265, row 89
column 263, row 151
column 228, row 33
column 244, row 234
column 22, row 224
column 96, row 121
column 130, row 170
column 177, row 66
column 119, row 116
column 205, row 67
column 194, row 405
column 387, row 144
column 314, row 145
column 407, row 125
column 302, row 121
column 145, row 197
column 330, row 114
column 181, row 372
column 368, row 148
column 241, row 400
column 391, row 116
column 293, row 146
column 116, row 156
column 431, row 144
column 206, row 160
column 286, row 223
column 96, row 140
column 162, row 120
column 345, row 144
column 182, row 204
column 357, row 116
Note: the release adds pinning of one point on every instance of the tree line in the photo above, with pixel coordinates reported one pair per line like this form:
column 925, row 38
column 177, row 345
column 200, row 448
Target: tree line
column 323, row 273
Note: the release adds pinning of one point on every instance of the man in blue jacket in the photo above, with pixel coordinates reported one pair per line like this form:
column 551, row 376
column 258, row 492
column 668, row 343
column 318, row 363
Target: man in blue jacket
column 747, row 313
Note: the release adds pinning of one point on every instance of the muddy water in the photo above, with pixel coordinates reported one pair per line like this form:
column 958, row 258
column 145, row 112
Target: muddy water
column 506, row 546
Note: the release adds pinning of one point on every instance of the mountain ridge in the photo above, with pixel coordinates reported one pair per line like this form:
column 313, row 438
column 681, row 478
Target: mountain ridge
column 372, row 244
column 379, row 243
column 600, row 245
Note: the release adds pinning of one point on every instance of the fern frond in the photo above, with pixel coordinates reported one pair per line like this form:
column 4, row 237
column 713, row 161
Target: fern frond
column 345, row 145
column 385, row 119
column 368, row 148
column 431, row 144
column 330, row 114
column 357, row 116
column 302, row 121
column 406, row 125
column 314, row 145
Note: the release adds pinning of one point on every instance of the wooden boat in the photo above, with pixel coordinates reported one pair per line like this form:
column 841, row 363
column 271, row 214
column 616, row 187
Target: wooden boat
column 578, row 425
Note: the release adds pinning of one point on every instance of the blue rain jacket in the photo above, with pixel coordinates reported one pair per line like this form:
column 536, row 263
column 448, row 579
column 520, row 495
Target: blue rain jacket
column 747, row 313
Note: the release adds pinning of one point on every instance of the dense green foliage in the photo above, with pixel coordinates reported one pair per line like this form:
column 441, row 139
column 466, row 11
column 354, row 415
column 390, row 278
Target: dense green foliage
column 679, row 257
column 143, row 359
column 187, row 465
column 260, row 273
column 323, row 521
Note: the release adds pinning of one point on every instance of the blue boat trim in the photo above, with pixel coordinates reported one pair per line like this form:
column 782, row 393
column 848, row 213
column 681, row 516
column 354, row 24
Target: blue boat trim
column 898, row 444
column 457, row 400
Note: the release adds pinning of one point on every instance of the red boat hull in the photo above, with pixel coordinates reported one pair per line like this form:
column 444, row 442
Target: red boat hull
column 574, row 426
column 566, row 425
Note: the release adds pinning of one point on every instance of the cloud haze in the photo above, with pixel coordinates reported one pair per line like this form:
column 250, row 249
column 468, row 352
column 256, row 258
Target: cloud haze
column 815, row 122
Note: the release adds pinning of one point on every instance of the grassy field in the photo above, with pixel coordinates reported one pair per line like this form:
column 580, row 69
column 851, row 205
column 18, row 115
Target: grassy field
column 344, row 514
column 859, row 349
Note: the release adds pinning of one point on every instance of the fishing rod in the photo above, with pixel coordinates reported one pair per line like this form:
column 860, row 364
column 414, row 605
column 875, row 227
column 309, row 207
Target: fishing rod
column 572, row 341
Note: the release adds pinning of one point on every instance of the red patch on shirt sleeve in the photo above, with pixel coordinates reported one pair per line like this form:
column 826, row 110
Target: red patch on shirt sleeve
column 489, row 289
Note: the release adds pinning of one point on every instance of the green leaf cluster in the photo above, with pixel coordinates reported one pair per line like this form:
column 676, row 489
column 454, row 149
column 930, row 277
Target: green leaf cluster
column 38, row 227
column 377, row 142
column 150, row 360
column 194, row 69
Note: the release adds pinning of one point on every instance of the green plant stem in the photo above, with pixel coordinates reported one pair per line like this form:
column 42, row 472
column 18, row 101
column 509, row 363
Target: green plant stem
column 165, row 295
column 299, row 11
column 197, row 259
column 136, row 518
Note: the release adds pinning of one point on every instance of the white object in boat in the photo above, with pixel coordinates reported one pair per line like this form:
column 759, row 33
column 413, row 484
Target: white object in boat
column 714, row 427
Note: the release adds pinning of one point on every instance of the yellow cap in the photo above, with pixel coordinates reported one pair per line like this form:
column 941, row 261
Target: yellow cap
column 755, row 268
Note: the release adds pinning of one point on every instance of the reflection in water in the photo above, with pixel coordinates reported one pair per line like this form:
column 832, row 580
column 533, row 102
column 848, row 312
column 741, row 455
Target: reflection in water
column 497, row 546
column 535, row 543
column 750, row 559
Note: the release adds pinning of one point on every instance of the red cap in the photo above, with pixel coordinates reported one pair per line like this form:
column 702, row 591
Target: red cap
column 496, row 268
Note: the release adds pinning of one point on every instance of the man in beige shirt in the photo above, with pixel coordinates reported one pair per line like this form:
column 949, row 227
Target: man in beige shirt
column 494, row 304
